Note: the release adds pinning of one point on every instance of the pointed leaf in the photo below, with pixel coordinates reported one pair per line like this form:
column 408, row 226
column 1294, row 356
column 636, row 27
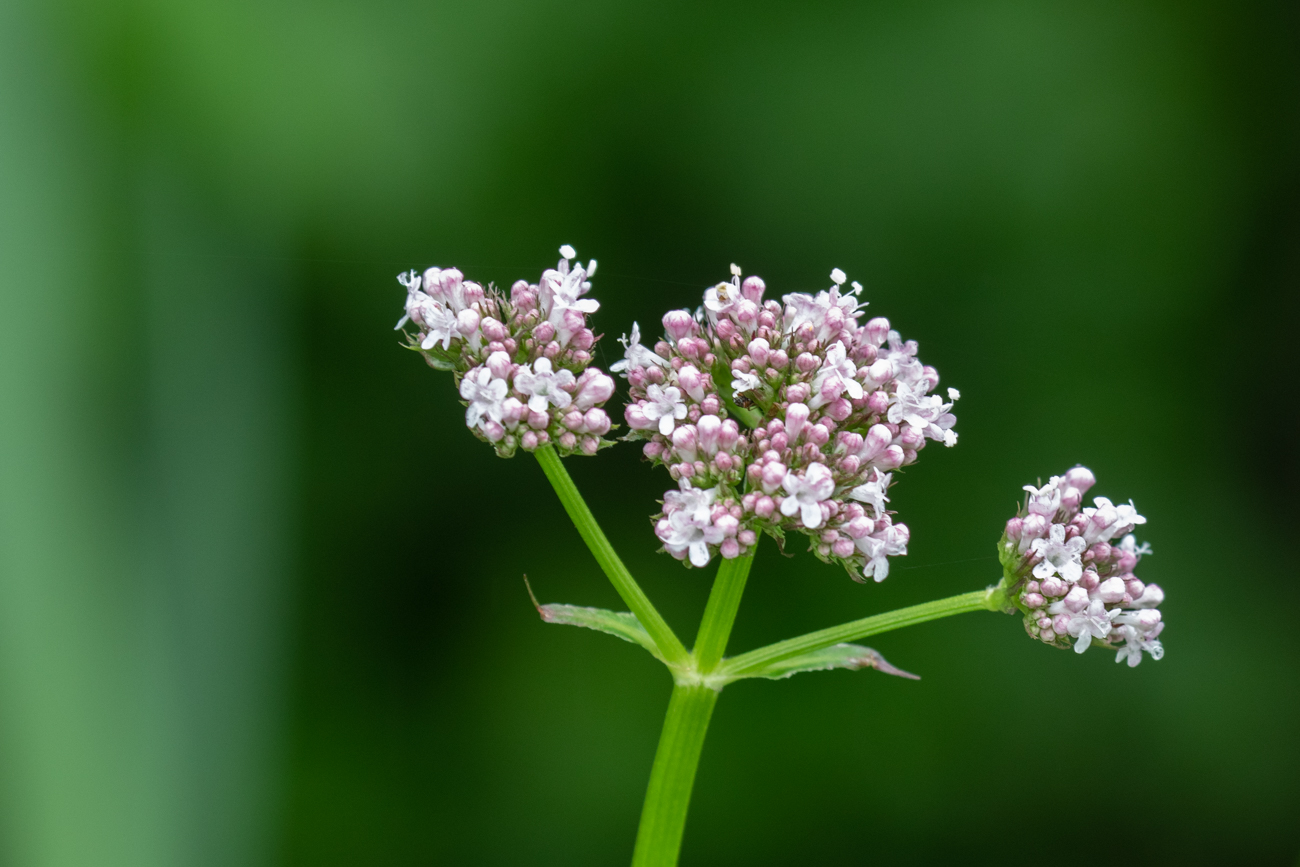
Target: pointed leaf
column 850, row 656
column 622, row 624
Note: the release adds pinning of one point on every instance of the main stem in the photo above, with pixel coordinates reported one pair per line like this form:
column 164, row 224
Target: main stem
column 663, row 818
column 669, row 644
column 667, row 798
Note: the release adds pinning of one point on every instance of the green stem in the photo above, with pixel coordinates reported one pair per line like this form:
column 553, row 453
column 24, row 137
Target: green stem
column 720, row 613
column 633, row 596
column 659, row 837
column 992, row 599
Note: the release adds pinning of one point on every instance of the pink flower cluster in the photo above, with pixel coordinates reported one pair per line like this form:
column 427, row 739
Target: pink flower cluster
column 783, row 416
column 1070, row 570
column 522, row 363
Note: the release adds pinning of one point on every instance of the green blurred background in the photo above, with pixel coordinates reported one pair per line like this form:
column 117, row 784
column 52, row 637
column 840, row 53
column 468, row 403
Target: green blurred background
column 260, row 596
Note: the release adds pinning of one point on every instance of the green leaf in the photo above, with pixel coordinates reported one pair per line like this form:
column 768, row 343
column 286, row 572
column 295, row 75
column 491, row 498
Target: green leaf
column 622, row 624
column 850, row 656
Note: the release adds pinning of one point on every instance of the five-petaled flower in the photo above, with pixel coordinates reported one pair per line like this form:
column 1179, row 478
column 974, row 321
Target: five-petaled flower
column 544, row 386
column 805, row 495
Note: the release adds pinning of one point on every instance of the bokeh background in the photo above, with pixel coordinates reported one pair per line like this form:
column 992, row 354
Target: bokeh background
column 260, row 591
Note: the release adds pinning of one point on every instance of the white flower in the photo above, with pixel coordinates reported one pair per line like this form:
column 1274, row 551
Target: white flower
column 695, row 502
column 682, row 532
column 873, row 492
column 742, row 382
column 439, row 322
column 1093, row 622
column 665, row 406
column 636, row 355
column 543, row 385
column 1061, row 556
column 890, row 541
column 411, row 281
column 1136, row 641
column 721, row 298
column 839, row 364
column 1045, row 501
column 806, row 494
column 485, row 395
column 913, row 406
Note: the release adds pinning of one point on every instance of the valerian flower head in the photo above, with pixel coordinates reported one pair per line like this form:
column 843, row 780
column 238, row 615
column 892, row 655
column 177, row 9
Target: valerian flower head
column 795, row 412
column 522, row 362
column 1069, row 570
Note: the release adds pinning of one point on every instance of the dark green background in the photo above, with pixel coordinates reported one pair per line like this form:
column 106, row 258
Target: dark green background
column 260, row 596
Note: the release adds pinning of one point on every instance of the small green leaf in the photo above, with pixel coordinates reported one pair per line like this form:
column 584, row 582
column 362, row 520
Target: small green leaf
column 850, row 656
column 622, row 624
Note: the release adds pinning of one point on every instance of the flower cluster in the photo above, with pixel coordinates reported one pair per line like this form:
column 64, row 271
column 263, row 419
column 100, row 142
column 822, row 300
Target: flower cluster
column 779, row 417
column 522, row 363
column 1070, row 570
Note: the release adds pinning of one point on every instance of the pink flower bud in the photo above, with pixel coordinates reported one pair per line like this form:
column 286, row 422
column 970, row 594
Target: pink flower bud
column 746, row 314
column 819, row 434
column 494, row 432
column 499, row 365
column 764, row 507
column 747, row 537
column 567, row 440
column 1014, row 527
column 573, row 420
column 684, row 441
column 1053, row 587
column 1090, row 581
column 467, row 321
column 528, row 440
column 653, row 450
column 729, row 549
column 544, row 333
column 594, row 388
column 839, row 409
column 538, row 420
column 1152, row 597
column 1076, row 600
column 678, row 324
column 759, row 350
column 596, row 421
column 725, row 329
column 1111, row 590
column 1033, row 600
column 493, row 330
column 860, row 526
column 729, row 434
column 636, row 419
column 796, row 415
column 843, row 548
column 798, row 393
column 710, row 405
column 709, row 429
column 727, row 524
column 590, row 444
column 753, row 288
column 880, row 372
column 582, row 340
column 806, row 363
column 1061, row 624
column 849, row 465
column 778, row 360
column 773, row 475
column 891, row 458
column 1081, row 478
column 1133, row 586
column 691, row 381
